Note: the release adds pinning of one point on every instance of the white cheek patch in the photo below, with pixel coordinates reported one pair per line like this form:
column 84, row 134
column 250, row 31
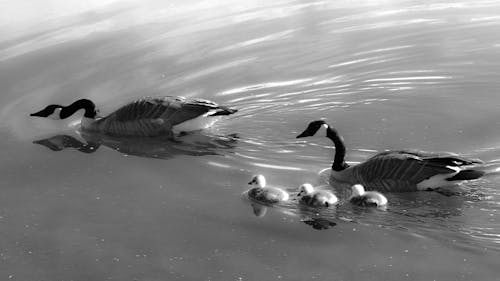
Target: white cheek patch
column 325, row 127
column 56, row 115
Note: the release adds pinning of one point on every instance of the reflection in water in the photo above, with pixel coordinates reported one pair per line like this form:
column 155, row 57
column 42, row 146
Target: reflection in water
column 258, row 209
column 60, row 142
column 193, row 144
column 317, row 218
column 319, row 223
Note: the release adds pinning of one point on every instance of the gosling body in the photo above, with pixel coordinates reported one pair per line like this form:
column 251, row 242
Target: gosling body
column 364, row 198
column 316, row 198
column 266, row 194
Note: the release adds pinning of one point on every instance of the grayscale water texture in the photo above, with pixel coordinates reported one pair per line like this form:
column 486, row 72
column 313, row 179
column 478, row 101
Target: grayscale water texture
column 387, row 74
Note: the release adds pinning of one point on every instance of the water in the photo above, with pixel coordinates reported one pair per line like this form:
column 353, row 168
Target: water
column 386, row 74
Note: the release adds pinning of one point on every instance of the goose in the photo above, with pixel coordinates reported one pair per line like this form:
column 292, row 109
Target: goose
column 315, row 198
column 398, row 171
column 364, row 198
column 148, row 116
column 266, row 194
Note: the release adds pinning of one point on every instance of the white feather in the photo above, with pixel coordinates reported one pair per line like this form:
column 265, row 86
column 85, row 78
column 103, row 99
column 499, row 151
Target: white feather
column 438, row 180
column 56, row 115
column 201, row 122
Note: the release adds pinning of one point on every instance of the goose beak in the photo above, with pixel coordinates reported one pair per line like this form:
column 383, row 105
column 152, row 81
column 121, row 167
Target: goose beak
column 303, row 135
column 37, row 114
column 50, row 145
column 311, row 129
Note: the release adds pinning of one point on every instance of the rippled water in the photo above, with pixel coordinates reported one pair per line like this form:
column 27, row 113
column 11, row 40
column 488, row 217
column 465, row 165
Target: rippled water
column 386, row 74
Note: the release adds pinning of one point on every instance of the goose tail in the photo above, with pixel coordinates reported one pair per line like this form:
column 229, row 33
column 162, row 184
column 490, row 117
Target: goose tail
column 468, row 174
column 223, row 110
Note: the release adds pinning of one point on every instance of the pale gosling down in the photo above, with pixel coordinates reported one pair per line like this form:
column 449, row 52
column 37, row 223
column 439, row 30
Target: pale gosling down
column 364, row 198
column 315, row 198
column 266, row 194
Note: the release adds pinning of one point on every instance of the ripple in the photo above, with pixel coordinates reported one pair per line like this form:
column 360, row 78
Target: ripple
column 267, row 38
column 356, row 61
column 381, row 50
column 277, row 167
column 387, row 24
column 264, row 86
column 213, row 69
column 219, row 165
column 410, row 78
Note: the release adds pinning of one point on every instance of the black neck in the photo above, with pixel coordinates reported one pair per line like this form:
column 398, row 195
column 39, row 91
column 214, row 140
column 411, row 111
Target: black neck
column 338, row 163
column 84, row 104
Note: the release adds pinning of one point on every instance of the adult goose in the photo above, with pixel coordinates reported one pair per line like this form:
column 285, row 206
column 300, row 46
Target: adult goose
column 147, row 116
column 398, row 171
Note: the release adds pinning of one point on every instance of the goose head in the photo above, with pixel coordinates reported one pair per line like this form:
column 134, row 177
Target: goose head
column 357, row 190
column 258, row 180
column 55, row 111
column 312, row 128
column 52, row 111
column 305, row 189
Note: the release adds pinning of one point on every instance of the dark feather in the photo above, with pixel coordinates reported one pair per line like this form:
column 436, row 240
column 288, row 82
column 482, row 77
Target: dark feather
column 400, row 170
column 173, row 109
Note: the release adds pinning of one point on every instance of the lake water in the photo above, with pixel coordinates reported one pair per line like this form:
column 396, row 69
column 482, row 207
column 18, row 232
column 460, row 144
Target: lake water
column 386, row 74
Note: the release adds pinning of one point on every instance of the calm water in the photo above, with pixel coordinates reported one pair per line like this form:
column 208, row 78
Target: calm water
column 386, row 74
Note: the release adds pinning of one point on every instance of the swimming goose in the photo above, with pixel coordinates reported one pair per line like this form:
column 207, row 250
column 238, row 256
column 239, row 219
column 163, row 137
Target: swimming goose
column 315, row 198
column 266, row 194
column 144, row 117
column 398, row 171
column 364, row 198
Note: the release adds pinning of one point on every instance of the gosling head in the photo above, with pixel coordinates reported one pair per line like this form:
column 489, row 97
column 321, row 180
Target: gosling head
column 258, row 180
column 357, row 190
column 305, row 189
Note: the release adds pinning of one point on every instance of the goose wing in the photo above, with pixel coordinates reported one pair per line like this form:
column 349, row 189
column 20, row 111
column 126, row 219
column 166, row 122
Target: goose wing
column 394, row 170
column 174, row 110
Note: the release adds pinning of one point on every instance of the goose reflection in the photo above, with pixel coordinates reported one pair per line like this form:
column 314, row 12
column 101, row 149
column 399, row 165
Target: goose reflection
column 319, row 223
column 313, row 217
column 162, row 148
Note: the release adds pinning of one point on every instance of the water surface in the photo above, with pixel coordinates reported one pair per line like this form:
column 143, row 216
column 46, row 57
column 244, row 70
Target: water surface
column 386, row 74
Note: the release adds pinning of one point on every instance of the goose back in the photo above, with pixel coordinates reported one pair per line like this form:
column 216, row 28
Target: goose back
column 153, row 116
column 400, row 171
